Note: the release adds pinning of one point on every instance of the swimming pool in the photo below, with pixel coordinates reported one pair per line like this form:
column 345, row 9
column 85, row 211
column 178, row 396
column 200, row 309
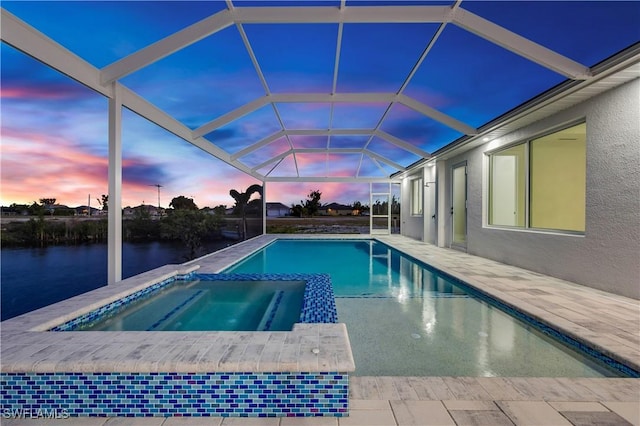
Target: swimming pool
column 405, row 318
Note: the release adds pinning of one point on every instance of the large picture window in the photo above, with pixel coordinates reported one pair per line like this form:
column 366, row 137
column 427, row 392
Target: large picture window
column 540, row 183
column 416, row 197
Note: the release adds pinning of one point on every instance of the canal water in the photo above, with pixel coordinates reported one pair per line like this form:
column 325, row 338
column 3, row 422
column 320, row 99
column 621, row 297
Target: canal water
column 31, row 278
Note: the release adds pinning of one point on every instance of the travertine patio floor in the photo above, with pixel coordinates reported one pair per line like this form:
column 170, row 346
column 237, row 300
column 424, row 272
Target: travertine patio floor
column 607, row 321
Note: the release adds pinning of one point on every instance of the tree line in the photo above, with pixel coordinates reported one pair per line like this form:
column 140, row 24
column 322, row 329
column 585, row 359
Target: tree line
column 184, row 221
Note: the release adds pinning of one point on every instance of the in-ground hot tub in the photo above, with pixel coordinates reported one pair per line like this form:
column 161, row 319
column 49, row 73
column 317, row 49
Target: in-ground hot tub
column 217, row 302
column 301, row 372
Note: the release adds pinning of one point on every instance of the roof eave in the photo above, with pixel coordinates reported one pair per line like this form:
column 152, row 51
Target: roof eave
column 610, row 66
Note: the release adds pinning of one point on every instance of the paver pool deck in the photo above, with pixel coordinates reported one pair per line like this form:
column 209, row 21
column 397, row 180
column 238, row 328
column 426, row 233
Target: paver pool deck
column 608, row 322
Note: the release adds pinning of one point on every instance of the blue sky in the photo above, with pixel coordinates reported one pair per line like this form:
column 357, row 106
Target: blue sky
column 54, row 130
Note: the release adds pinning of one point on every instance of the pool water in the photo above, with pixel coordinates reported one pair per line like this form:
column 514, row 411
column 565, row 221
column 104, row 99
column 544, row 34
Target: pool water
column 211, row 306
column 406, row 319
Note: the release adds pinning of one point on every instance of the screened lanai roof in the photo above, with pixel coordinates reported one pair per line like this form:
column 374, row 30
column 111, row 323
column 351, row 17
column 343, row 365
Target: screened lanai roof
column 325, row 90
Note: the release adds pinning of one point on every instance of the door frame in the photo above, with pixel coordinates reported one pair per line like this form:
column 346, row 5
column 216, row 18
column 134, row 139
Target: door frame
column 372, row 216
column 461, row 245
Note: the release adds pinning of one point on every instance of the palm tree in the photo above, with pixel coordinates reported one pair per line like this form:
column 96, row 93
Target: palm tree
column 242, row 201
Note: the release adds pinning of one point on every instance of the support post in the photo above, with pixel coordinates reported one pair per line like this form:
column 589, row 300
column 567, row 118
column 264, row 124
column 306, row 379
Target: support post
column 264, row 207
column 426, row 205
column 370, row 208
column 443, row 200
column 114, row 248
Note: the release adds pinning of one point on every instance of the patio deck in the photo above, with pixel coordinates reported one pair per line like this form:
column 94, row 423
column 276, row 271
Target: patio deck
column 607, row 321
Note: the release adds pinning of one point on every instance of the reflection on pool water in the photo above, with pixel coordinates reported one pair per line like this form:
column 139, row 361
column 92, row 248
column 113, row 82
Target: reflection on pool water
column 404, row 318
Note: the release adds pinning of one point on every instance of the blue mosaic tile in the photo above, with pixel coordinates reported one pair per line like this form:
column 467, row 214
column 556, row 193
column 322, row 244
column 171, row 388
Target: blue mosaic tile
column 119, row 394
column 117, row 306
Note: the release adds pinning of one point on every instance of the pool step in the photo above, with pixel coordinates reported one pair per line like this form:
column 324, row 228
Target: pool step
column 270, row 312
column 179, row 307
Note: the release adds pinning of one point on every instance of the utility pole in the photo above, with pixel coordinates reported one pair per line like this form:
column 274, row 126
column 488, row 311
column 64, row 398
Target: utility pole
column 158, row 186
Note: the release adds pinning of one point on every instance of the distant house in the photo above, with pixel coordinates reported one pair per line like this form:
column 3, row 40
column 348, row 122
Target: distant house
column 59, row 210
column 153, row 211
column 15, row 210
column 277, row 210
column 84, row 211
column 336, row 209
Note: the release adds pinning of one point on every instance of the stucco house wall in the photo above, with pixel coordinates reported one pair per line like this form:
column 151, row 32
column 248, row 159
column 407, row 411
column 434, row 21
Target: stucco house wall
column 411, row 225
column 607, row 256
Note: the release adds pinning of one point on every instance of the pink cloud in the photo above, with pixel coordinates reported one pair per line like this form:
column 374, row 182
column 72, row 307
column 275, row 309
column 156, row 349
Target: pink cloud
column 344, row 165
column 293, row 192
column 305, row 141
column 40, row 92
column 37, row 165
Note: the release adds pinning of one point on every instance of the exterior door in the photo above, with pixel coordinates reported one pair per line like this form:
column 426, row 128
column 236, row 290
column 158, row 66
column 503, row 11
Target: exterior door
column 459, row 206
column 396, row 209
column 380, row 218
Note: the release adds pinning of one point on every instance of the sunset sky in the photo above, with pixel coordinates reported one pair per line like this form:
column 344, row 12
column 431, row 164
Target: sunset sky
column 54, row 130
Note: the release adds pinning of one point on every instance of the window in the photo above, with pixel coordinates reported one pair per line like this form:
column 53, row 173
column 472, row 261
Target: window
column 416, row 197
column 540, row 183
